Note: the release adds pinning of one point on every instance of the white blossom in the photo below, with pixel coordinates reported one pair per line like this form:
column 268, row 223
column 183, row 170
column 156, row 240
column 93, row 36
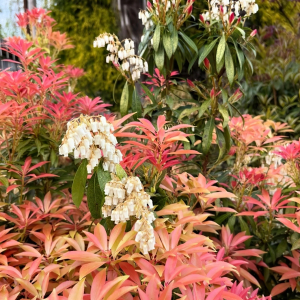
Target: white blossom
column 241, row 8
column 126, row 198
column 91, row 138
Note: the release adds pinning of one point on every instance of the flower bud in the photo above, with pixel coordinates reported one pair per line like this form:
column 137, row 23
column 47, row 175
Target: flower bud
column 231, row 18
column 253, row 33
column 190, row 83
column 206, row 63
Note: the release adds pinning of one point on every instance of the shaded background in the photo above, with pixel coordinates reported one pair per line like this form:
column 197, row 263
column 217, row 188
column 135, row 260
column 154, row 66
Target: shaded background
column 272, row 91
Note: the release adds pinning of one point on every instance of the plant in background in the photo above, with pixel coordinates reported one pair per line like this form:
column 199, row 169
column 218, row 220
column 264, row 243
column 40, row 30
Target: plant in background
column 190, row 200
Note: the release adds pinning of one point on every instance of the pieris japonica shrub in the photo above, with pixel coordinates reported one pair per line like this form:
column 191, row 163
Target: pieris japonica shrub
column 181, row 198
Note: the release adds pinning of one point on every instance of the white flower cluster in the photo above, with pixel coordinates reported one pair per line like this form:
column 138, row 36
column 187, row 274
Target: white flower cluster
column 122, row 55
column 91, row 138
column 145, row 15
column 126, row 198
column 272, row 158
column 241, row 8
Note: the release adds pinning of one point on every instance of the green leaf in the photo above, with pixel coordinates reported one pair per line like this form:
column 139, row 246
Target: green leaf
column 220, row 65
column 174, row 41
column 296, row 245
column 231, row 223
column 245, row 227
column 78, row 186
column 281, row 248
column 207, row 136
column 221, row 143
column 38, row 144
column 120, row 172
column 108, row 224
column 53, row 157
column 229, row 65
column 203, row 108
column 240, row 55
column 160, row 58
column 189, row 41
column 136, row 105
column 103, row 177
column 168, row 44
column 224, row 114
column 95, row 197
column 124, row 103
column 148, row 93
column 221, row 218
column 241, row 31
column 227, row 137
column 156, row 38
column 4, row 181
column 221, row 49
column 207, row 49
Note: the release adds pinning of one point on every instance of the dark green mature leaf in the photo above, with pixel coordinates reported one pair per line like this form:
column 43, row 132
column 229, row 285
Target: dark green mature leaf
column 245, row 227
column 221, row 218
column 227, row 137
column 124, row 103
column 136, row 105
column 120, row 172
column 79, row 182
column 160, row 58
column 174, row 38
column 148, row 93
column 203, row 108
column 108, row 224
column 240, row 55
column 229, row 65
column 103, row 177
column 156, row 38
column 224, row 114
column 4, row 181
column 95, row 197
column 207, row 136
column 221, row 143
column 220, row 65
column 189, row 41
column 221, row 49
column 168, row 44
column 207, row 49
column 296, row 245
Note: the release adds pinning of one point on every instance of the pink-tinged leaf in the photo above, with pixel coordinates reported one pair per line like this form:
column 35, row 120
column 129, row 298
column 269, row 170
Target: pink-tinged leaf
column 170, row 267
column 280, row 288
column 116, row 235
column 152, row 290
column 64, row 286
column 216, row 293
column 11, row 187
column 290, row 275
column 189, row 279
column 142, row 295
column 77, row 291
column 117, row 123
column 175, row 237
column 26, row 165
column 27, row 286
column 89, row 268
column 230, row 296
column 221, row 195
column 129, row 270
column 81, row 256
column 289, row 224
column 245, row 274
column 11, row 271
column 38, row 165
column 223, row 209
column 180, row 152
column 120, row 292
column 273, row 139
column 34, row 266
column 249, row 252
column 98, row 284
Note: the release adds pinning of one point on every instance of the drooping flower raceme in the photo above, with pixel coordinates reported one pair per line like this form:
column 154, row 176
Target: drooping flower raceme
column 222, row 9
column 122, row 55
column 91, row 138
column 126, row 198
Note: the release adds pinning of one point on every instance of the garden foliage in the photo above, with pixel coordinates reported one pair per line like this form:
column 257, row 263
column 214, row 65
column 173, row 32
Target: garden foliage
column 183, row 197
